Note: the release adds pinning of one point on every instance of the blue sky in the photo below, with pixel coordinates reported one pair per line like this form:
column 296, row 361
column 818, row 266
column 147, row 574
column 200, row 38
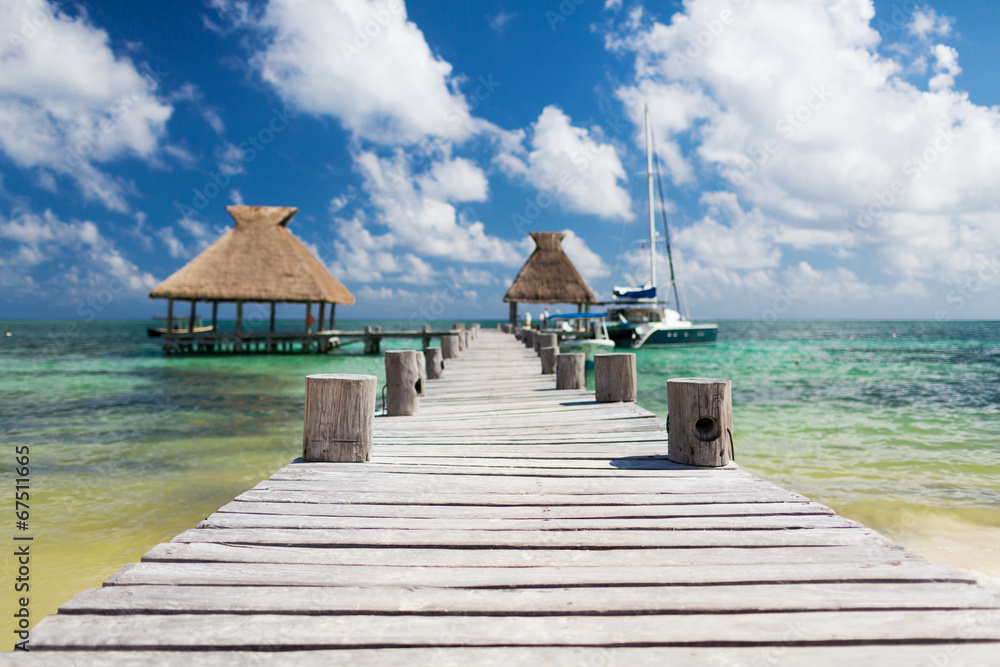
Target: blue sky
column 822, row 158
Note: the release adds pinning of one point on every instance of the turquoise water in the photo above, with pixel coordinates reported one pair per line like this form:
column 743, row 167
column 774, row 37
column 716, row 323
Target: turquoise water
column 894, row 424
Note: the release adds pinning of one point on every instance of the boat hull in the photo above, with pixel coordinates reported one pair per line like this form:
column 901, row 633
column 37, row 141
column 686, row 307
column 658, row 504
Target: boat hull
column 696, row 334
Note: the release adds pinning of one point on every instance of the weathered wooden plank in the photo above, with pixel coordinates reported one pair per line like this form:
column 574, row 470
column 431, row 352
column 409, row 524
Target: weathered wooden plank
column 552, row 601
column 779, row 654
column 842, row 561
column 280, row 574
column 592, row 539
column 229, row 520
column 406, row 497
column 267, row 631
column 529, row 511
column 491, row 482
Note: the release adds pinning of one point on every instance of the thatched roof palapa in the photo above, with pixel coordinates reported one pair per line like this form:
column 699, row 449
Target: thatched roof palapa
column 257, row 260
column 549, row 276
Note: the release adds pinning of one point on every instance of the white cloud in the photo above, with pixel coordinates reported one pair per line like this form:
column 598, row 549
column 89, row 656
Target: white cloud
column 501, row 19
column 945, row 67
column 455, row 180
column 824, row 143
column 587, row 262
column 421, row 222
column 926, row 23
column 583, row 174
column 65, row 262
column 68, row 103
column 363, row 62
column 199, row 236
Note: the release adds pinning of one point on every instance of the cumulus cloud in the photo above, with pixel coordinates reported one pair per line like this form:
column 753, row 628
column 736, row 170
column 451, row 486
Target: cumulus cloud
column 583, row 174
column 418, row 221
column 363, row 62
column 816, row 141
column 68, row 103
column 42, row 256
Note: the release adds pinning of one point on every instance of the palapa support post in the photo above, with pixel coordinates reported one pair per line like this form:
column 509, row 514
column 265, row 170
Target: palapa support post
column 339, row 417
column 422, row 371
column 700, row 421
column 512, row 313
column 615, row 377
column 402, row 382
column 545, row 340
column 194, row 316
column 449, row 346
column 570, row 370
column 273, row 307
column 548, row 355
column 434, row 363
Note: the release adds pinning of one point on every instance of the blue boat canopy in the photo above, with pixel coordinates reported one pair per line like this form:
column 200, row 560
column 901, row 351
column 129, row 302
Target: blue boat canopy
column 634, row 292
column 575, row 316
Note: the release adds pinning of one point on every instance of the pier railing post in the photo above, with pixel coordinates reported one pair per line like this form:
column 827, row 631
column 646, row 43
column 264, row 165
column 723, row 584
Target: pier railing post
column 528, row 338
column 548, row 355
column 700, row 421
column 545, row 340
column 422, row 372
column 402, row 380
column 435, row 363
column 615, row 378
column 339, row 417
column 449, row 346
column 570, row 370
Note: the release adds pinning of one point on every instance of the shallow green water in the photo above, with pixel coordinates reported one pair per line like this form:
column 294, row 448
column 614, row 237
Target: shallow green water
column 896, row 424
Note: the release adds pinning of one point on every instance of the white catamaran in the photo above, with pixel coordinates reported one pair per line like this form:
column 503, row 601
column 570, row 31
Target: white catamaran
column 636, row 317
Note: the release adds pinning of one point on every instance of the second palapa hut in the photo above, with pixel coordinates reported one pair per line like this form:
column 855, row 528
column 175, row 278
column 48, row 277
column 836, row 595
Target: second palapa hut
column 548, row 276
column 257, row 261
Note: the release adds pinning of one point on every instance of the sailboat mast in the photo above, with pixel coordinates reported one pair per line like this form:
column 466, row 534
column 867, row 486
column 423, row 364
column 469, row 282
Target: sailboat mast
column 649, row 197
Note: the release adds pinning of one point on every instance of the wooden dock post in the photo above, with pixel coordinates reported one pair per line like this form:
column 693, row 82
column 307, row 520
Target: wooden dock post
column 548, row 355
column 615, row 378
column 422, row 372
column 570, row 370
column 434, row 363
column 700, row 421
column 402, row 380
column 339, row 417
column 449, row 346
column 468, row 337
column 545, row 340
column 528, row 338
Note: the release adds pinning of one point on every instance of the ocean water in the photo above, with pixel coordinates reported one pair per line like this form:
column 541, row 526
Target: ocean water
column 894, row 424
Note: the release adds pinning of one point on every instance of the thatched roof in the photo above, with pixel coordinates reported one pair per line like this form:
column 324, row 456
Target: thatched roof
column 549, row 276
column 257, row 260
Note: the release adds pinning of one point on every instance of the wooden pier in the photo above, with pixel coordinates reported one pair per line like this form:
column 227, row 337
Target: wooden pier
column 509, row 523
column 301, row 342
